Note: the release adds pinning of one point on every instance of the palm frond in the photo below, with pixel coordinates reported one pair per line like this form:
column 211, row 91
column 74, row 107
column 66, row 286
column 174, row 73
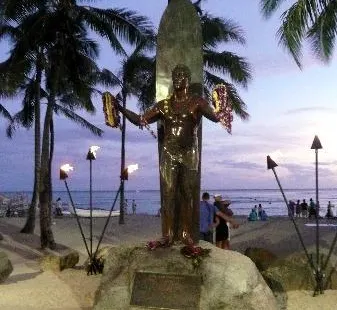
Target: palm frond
column 5, row 113
column 230, row 64
column 293, row 31
column 216, row 30
column 127, row 25
column 322, row 33
column 78, row 119
column 268, row 7
column 16, row 10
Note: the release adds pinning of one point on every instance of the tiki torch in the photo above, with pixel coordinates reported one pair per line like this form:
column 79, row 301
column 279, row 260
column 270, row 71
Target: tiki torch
column 91, row 156
column 271, row 165
column 63, row 176
column 316, row 145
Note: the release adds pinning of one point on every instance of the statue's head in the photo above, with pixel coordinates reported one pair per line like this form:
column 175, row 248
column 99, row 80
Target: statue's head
column 181, row 77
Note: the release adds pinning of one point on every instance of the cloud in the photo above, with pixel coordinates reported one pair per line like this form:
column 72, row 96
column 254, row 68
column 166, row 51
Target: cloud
column 311, row 109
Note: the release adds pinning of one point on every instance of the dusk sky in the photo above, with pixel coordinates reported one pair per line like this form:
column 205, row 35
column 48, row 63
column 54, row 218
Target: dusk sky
column 288, row 107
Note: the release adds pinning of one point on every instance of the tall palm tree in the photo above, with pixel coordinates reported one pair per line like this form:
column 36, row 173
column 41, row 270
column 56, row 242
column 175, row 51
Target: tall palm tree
column 52, row 26
column 314, row 21
column 132, row 80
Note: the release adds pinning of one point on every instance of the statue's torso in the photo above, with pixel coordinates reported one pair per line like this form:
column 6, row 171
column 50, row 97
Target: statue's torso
column 180, row 121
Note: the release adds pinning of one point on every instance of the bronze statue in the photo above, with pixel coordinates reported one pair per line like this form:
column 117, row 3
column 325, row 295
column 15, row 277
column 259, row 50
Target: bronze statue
column 179, row 160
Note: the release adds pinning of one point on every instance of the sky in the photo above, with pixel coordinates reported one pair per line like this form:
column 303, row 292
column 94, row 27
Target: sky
column 287, row 108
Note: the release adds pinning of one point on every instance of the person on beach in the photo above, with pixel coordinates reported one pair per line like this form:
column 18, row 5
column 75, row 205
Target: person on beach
column 58, row 207
column 291, row 211
column 207, row 214
column 329, row 213
column 222, row 229
column 259, row 211
column 134, row 206
column 264, row 216
column 298, row 208
column 304, row 208
column 253, row 215
column 312, row 208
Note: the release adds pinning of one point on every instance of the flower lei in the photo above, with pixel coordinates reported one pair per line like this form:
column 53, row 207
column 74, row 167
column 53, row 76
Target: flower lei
column 222, row 106
column 161, row 243
column 110, row 110
column 196, row 253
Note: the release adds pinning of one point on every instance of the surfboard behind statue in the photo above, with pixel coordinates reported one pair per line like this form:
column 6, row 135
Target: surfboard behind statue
column 180, row 41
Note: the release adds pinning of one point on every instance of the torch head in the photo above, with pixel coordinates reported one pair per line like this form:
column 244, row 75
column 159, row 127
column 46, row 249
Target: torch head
column 63, row 171
column 92, row 152
column 270, row 163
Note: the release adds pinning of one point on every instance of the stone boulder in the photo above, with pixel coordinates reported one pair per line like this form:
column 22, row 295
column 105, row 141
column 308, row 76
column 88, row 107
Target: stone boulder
column 59, row 261
column 294, row 273
column 6, row 267
column 261, row 257
column 230, row 280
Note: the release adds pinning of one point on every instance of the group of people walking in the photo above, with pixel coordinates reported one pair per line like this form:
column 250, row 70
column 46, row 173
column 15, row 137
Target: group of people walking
column 308, row 210
column 303, row 209
column 216, row 219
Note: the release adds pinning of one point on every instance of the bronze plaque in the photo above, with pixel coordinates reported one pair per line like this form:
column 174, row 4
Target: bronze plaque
column 166, row 291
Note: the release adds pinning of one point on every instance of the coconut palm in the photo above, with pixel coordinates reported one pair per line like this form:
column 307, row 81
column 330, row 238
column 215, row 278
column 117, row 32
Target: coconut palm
column 57, row 28
column 314, row 21
column 133, row 79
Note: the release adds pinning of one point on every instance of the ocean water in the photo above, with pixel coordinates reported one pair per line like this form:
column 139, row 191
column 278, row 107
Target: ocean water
column 242, row 201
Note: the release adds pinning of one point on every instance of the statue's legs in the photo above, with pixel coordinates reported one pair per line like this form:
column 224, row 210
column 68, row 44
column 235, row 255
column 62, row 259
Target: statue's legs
column 180, row 196
column 189, row 204
column 169, row 177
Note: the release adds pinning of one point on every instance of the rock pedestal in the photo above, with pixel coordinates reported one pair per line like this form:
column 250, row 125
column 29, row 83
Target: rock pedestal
column 228, row 280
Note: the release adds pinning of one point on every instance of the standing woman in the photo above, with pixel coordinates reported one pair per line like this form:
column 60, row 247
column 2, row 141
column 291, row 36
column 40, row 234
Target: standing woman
column 222, row 231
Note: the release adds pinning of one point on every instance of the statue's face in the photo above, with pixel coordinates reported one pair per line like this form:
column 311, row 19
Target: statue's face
column 180, row 79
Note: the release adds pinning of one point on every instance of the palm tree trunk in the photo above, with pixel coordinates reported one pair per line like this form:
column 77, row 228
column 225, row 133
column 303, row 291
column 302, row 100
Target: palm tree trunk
column 51, row 154
column 46, row 237
column 30, row 223
column 121, row 207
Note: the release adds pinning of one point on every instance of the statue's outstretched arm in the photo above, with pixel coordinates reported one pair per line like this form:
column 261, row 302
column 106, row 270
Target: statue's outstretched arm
column 206, row 110
column 150, row 116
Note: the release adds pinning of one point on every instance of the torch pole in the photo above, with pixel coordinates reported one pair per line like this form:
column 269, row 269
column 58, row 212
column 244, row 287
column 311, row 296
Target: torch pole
column 78, row 221
column 107, row 222
column 90, row 207
column 294, row 222
column 317, row 210
column 319, row 275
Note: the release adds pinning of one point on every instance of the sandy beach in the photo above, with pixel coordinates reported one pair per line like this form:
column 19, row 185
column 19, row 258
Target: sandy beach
column 29, row 288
